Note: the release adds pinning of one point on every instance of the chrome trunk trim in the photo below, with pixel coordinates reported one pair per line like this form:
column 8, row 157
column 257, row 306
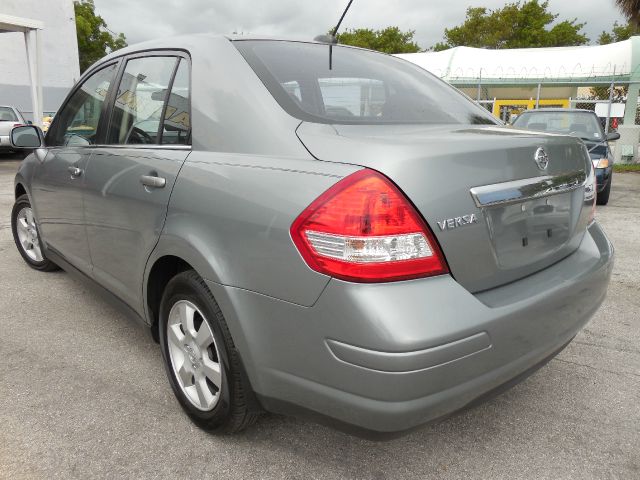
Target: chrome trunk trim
column 526, row 189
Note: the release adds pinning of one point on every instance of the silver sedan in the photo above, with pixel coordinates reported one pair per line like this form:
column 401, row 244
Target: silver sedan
column 314, row 229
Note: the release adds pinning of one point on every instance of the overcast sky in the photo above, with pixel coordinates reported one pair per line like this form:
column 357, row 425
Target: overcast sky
column 143, row 20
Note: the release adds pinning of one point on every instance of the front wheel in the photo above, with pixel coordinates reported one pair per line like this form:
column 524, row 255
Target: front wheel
column 27, row 235
column 200, row 357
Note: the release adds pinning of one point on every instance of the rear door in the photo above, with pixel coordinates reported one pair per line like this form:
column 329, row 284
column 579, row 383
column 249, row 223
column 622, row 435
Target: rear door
column 59, row 180
column 129, row 180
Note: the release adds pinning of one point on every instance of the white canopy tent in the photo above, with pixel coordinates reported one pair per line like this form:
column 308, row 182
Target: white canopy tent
column 585, row 64
column 31, row 30
column 613, row 64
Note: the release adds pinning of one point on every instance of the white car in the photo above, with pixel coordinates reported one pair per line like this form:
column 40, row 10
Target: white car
column 9, row 117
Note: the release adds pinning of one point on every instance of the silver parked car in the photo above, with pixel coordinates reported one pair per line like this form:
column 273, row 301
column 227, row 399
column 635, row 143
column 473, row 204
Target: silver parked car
column 10, row 117
column 314, row 229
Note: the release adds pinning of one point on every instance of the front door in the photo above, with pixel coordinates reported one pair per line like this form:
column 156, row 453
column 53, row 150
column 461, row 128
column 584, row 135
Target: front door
column 59, row 180
column 129, row 180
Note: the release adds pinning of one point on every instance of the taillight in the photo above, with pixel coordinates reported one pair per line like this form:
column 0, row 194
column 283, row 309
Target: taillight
column 363, row 229
column 591, row 193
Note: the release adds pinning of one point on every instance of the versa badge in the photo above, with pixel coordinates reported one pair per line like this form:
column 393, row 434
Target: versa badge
column 451, row 223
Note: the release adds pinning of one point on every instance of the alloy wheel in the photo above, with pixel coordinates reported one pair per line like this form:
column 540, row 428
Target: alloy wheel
column 194, row 355
column 28, row 234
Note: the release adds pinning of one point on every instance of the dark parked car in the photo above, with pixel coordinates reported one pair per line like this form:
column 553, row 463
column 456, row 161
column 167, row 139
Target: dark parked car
column 315, row 229
column 585, row 125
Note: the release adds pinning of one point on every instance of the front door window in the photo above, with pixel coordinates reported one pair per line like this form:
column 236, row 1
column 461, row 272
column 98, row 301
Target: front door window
column 77, row 122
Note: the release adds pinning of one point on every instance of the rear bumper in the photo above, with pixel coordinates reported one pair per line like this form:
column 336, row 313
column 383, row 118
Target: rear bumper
column 389, row 357
column 5, row 143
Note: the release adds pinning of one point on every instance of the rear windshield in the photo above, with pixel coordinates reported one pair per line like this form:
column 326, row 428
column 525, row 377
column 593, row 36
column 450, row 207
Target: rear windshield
column 323, row 84
column 580, row 124
column 7, row 115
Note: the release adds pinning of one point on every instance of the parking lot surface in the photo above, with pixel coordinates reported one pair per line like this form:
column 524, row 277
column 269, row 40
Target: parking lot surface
column 83, row 394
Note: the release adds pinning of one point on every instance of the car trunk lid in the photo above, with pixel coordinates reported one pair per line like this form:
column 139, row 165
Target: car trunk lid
column 497, row 215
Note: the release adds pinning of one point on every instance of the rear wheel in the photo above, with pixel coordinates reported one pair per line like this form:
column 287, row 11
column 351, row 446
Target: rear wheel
column 603, row 197
column 27, row 236
column 200, row 357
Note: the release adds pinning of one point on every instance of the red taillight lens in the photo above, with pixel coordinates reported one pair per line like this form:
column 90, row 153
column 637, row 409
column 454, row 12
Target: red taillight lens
column 363, row 229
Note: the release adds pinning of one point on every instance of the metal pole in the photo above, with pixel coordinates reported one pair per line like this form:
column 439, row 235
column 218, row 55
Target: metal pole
column 38, row 110
column 613, row 84
column 538, row 96
column 479, row 86
column 29, row 41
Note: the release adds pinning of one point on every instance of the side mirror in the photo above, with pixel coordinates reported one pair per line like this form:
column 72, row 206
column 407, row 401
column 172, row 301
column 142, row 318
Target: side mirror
column 29, row 122
column 611, row 136
column 27, row 136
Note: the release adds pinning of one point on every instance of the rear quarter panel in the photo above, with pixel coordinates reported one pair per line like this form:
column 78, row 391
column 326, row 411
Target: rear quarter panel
column 230, row 216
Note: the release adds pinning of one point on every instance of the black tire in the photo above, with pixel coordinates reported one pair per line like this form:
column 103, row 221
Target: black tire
column 45, row 265
column 231, row 413
column 603, row 197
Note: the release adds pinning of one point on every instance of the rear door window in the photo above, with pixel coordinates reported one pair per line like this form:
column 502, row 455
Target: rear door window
column 140, row 100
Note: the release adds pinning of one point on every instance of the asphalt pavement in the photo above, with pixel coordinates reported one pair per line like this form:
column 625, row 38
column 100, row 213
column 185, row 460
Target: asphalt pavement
column 83, row 394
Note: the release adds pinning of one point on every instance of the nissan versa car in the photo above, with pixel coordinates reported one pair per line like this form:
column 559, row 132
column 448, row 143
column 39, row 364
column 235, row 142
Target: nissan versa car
column 584, row 124
column 314, row 229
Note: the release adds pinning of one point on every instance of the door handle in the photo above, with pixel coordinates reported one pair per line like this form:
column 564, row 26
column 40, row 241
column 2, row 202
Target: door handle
column 75, row 171
column 152, row 181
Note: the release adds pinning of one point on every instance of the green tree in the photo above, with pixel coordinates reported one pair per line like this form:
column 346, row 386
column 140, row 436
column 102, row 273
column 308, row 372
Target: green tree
column 94, row 39
column 389, row 40
column 516, row 25
column 618, row 33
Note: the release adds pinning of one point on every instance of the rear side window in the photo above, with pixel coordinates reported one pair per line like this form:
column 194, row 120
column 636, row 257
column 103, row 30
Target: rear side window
column 7, row 115
column 337, row 84
column 77, row 122
column 140, row 100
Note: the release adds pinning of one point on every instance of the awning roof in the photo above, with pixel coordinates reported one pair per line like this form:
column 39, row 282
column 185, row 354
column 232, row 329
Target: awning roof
column 561, row 65
column 17, row 24
column 30, row 29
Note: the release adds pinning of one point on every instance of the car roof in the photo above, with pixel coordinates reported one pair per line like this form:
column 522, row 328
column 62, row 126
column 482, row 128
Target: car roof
column 196, row 41
column 181, row 41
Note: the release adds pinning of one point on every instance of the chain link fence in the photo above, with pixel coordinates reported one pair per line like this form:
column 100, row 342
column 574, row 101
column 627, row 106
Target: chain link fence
column 607, row 101
column 488, row 104
column 590, row 97
column 603, row 108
